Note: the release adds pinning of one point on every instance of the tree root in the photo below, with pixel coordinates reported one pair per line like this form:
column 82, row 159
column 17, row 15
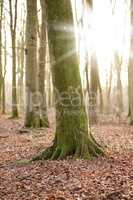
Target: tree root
column 44, row 122
column 87, row 151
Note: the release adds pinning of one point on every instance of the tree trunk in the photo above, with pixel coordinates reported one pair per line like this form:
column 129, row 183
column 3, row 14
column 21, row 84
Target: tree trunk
column 42, row 64
column 3, row 96
column 93, row 89
column 13, row 23
column 130, row 73
column 20, row 72
column 1, row 11
column 95, row 84
column 14, row 87
column 4, row 77
column 130, row 90
column 108, row 91
column 72, row 136
column 32, row 106
column 22, row 62
column 118, row 64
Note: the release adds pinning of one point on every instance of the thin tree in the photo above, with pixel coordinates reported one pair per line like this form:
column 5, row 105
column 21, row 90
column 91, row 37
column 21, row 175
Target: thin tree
column 13, row 24
column 42, row 70
column 20, row 59
column 4, row 77
column 118, row 64
column 72, row 136
column 95, row 84
column 32, row 105
column 108, row 89
column 20, row 62
column 1, row 14
column 130, row 72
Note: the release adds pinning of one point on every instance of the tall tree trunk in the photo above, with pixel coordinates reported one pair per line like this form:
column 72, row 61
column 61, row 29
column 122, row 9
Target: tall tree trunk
column 20, row 71
column 32, row 115
column 14, row 86
column 13, row 23
column 130, row 73
column 95, row 84
column 130, row 89
column 118, row 64
column 42, row 64
column 4, row 77
column 49, row 78
column 72, row 136
column 94, row 87
column 1, row 11
column 108, row 90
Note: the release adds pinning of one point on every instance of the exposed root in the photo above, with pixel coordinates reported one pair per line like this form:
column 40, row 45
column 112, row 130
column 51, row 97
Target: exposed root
column 44, row 122
column 93, row 139
column 56, row 154
column 87, row 151
column 80, row 146
column 64, row 153
column 23, row 162
column 44, row 155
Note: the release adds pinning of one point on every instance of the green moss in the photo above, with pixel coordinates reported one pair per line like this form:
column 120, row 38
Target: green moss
column 71, row 137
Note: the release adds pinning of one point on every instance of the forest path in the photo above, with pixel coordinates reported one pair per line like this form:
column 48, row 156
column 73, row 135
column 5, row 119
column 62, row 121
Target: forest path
column 108, row 178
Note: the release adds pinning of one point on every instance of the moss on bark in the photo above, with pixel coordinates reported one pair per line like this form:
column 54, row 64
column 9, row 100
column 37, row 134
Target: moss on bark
column 72, row 137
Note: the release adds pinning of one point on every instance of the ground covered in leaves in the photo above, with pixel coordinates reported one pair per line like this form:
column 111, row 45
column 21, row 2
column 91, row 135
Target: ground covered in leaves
column 105, row 178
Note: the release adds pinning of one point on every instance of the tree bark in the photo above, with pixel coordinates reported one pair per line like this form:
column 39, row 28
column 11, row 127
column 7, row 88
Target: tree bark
column 94, row 87
column 32, row 115
column 14, row 90
column 130, row 73
column 42, row 64
column 95, row 84
column 108, row 91
column 118, row 64
column 13, row 40
column 72, row 136
column 4, row 77
column 20, row 71
column 1, row 11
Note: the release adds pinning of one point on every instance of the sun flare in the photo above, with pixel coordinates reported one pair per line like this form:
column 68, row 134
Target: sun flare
column 105, row 30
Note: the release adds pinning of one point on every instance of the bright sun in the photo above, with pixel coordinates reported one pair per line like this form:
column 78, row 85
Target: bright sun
column 105, row 30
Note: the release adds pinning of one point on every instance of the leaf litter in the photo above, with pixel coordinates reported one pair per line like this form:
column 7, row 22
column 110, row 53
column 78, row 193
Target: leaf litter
column 103, row 178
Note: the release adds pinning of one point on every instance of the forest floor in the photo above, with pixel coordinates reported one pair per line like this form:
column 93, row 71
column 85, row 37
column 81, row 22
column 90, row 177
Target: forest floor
column 103, row 178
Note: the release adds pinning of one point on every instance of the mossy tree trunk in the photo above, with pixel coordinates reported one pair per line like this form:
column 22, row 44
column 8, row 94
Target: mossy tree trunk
column 42, row 64
column 72, row 136
column 32, row 116
column 13, row 24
